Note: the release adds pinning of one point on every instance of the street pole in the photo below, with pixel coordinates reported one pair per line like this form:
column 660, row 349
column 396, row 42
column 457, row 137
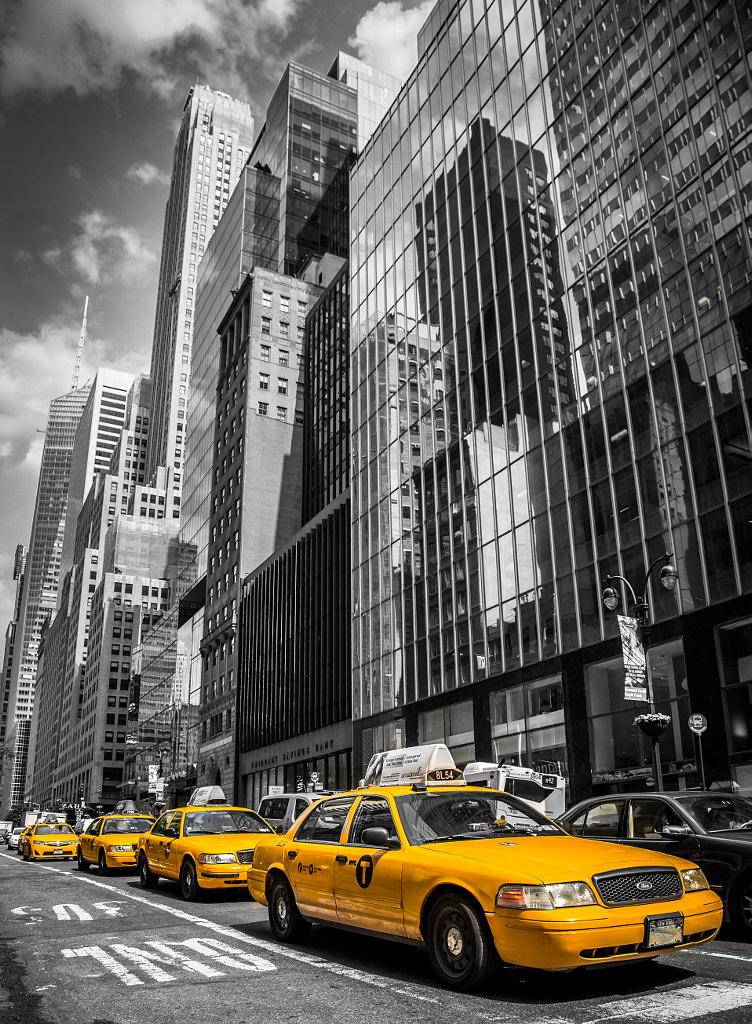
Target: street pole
column 668, row 578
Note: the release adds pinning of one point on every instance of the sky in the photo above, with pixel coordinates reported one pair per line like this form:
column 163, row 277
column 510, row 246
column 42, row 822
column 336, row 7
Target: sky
column 91, row 93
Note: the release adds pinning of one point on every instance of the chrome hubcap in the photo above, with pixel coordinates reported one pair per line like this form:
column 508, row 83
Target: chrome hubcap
column 454, row 941
column 282, row 909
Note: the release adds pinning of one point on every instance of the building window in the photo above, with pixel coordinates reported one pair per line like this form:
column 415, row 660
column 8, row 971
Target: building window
column 281, row 412
column 284, row 357
column 266, row 353
column 266, row 299
column 284, row 329
column 263, row 408
column 266, row 325
column 284, row 303
column 282, row 386
column 264, row 381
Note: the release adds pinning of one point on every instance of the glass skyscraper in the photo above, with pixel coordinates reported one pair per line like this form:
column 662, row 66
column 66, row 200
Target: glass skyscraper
column 552, row 335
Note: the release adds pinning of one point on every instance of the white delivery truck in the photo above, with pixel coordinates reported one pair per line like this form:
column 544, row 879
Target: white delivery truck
column 544, row 790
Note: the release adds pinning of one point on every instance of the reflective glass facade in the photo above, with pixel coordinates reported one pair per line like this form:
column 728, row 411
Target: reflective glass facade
column 552, row 335
column 308, row 141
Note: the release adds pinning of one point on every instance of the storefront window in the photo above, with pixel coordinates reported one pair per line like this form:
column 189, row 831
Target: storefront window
column 619, row 752
column 735, row 653
column 453, row 726
column 527, row 725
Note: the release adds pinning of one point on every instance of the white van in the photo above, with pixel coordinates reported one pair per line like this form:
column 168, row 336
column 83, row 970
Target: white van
column 281, row 809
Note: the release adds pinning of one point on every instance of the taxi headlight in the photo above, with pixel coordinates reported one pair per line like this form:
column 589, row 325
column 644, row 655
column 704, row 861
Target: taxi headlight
column 118, row 849
column 694, row 879
column 217, row 858
column 545, row 897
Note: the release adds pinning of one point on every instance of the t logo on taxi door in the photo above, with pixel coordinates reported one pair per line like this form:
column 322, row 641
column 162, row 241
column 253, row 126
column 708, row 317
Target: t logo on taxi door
column 364, row 871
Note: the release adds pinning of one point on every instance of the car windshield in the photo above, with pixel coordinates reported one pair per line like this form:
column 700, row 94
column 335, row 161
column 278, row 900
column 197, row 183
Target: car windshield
column 52, row 830
column 437, row 816
column 127, row 825
column 222, row 821
column 720, row 812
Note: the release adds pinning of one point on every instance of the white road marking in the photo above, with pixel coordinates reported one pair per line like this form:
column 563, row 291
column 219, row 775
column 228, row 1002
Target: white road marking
column 678, row 1004
column 27, row 911
column 723, row 956
column 109, row 908
column 107, row 961
column 62, row 914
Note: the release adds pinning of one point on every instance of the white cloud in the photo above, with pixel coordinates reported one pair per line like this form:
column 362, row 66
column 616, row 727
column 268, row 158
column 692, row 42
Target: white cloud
column 387, row 36
column 103, row 252
column 89, row 45
column 147, row 174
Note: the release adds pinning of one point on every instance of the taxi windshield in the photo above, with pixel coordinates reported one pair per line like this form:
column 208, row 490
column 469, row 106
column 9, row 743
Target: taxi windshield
column 127, row 825
column 441, row 816
column 718, row 812
column 223, row 820
column 52, row 830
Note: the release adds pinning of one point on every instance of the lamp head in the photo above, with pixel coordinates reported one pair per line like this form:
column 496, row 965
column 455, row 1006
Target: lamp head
column 610, row 598
column 669, row 575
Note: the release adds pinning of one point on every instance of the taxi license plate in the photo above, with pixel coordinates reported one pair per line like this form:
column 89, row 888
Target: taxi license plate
column 663, row 930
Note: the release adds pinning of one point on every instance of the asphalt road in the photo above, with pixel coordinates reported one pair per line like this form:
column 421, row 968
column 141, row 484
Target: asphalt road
column 76, row 947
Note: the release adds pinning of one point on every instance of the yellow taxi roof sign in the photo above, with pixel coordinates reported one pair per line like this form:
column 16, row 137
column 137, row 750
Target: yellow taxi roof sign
column 431, row 764
column 206, row 796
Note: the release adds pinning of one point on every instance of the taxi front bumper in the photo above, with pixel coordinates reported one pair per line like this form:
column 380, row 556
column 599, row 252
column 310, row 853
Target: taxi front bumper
column 121, row 858
column 217, row 876
column 41, row 851
column 586, row 936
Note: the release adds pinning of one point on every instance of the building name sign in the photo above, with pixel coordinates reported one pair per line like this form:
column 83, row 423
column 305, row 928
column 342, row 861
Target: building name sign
column 299, row 753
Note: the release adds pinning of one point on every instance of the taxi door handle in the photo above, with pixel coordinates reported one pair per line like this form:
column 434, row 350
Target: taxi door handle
column 292, row 854
column 341, row 858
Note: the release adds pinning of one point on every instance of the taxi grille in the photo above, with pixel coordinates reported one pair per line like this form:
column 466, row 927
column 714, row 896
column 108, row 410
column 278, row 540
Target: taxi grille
column 245, row 856
column 638, row 885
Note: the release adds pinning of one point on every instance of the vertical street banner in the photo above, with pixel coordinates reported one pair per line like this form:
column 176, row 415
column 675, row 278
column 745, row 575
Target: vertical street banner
column 635, row 676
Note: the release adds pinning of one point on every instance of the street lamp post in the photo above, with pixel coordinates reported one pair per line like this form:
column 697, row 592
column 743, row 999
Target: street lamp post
column 611, row 600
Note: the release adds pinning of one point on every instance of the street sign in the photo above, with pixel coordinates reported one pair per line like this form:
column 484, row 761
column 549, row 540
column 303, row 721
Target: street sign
column 698, row 724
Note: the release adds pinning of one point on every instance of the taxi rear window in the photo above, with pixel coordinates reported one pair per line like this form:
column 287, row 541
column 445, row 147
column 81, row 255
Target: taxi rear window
column 273, row 808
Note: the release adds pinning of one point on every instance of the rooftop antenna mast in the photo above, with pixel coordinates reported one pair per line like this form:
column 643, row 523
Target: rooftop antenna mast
column 81, row 340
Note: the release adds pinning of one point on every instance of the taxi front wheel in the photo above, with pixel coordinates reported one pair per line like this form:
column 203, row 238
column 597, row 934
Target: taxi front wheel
column 285, row 919
column 83, row 865
column 103, row 869
column 460, row 946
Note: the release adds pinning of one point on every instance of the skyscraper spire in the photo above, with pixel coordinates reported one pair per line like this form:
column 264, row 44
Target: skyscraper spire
column 81, row 340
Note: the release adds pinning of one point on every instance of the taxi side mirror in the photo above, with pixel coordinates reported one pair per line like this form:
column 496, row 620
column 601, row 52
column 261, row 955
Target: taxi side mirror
column 378, row 836
column 171, row 833
column 676, row 830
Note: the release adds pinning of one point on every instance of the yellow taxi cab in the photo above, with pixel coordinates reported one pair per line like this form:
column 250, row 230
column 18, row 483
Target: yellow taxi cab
column 111, row 841
column 47, row 840
column 206, row 845
column 479, row 877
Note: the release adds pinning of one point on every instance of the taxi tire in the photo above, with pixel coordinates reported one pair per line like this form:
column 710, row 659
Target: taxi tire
column 190, row 890
column 25, row 856
column 741, row 908
column 83, row 865
column 460, row 945
column 102, row 864
column 286, row 921
column 146, row 876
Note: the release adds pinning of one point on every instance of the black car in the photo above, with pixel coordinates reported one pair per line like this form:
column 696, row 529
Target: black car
column 712, row 829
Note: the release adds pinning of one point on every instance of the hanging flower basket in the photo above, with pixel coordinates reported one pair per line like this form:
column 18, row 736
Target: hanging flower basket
column 653, row 724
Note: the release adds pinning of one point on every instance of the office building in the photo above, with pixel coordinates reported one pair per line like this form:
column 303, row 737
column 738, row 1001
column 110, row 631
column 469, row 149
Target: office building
column 211, row 149
column 551, row 344
column 293, row 704
column 40, row 580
